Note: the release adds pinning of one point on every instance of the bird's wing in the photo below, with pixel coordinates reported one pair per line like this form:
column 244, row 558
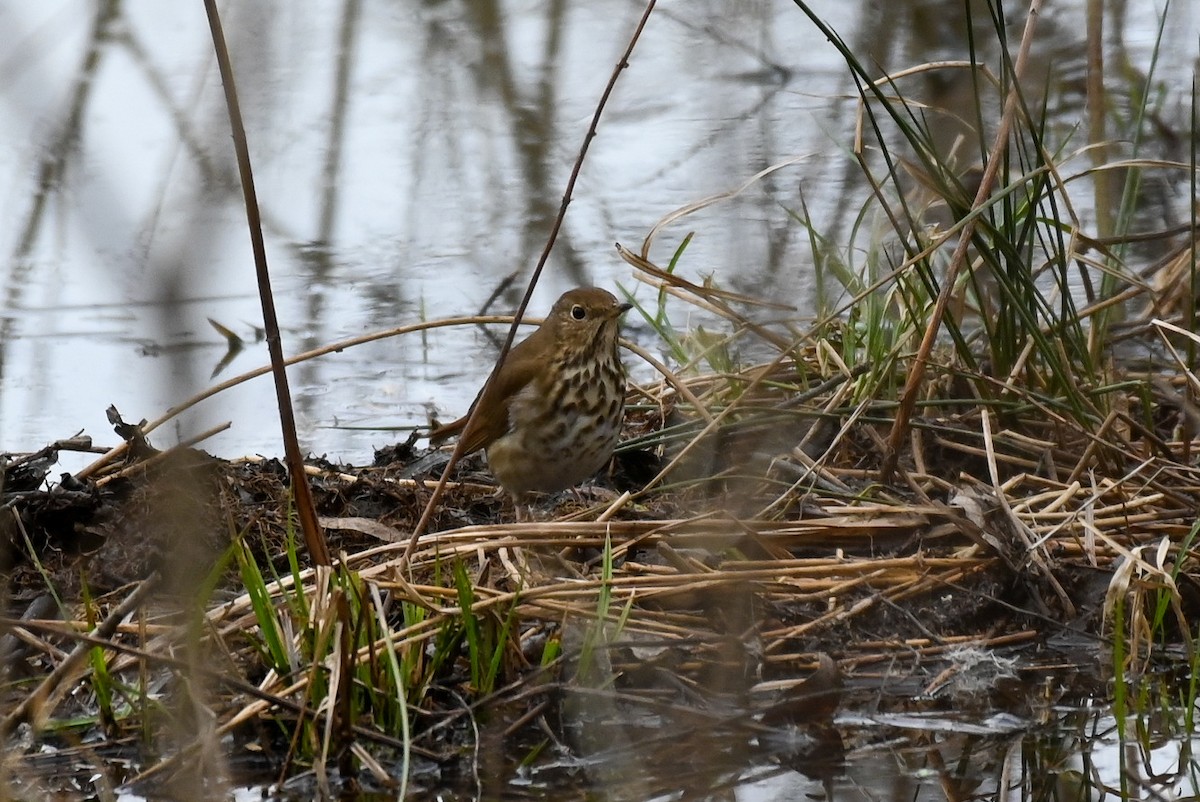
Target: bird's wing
column 519, row 369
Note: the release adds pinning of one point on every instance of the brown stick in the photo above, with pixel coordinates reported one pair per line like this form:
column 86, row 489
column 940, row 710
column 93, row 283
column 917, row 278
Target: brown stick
column 314, row 538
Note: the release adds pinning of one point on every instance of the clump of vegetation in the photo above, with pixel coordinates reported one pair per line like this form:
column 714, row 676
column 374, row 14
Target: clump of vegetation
column 954, row 463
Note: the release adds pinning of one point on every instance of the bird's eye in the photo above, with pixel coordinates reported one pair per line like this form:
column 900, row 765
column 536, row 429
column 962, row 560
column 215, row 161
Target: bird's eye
column 578, row 312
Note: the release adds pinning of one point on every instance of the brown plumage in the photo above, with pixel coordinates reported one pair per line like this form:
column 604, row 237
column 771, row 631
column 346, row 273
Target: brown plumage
column 552, row 415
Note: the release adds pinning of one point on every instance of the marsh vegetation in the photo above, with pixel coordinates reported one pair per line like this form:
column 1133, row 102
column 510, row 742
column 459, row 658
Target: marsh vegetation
column 940, row 513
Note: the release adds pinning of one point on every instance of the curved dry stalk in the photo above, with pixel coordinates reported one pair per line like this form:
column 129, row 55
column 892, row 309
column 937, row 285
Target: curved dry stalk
column 671, row 377
column 703, row 203
column 342, row 345
column 162, row 456
column 711, row 298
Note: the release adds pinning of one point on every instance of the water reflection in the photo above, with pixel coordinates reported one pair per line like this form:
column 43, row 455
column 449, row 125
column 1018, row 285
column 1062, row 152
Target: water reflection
column 404, row 166
column 1075, row 756
column 409, row 156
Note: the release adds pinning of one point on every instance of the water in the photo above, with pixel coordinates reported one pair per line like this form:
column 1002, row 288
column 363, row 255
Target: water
column 1068, row 753
column 407, row 157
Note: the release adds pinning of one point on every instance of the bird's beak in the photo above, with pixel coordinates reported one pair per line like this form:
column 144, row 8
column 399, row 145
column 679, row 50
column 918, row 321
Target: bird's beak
column 622, row 309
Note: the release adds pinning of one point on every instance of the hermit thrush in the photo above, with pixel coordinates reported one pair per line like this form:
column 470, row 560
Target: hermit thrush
column 550, row 417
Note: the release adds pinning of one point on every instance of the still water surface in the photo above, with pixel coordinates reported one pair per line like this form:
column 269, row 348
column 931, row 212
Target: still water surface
column 1075, row 755
column 409, row 156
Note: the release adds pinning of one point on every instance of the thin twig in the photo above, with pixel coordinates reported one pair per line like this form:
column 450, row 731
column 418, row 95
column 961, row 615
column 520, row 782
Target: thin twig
column 436, row 496
column 334, row 347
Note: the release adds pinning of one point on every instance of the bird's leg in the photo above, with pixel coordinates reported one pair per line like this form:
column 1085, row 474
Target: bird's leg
column 523, row 507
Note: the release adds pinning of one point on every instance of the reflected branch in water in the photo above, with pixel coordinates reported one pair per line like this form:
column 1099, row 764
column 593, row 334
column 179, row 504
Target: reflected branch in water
column 53, row 167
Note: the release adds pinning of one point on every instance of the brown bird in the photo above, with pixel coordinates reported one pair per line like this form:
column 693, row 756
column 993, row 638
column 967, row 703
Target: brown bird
column 551, row 416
